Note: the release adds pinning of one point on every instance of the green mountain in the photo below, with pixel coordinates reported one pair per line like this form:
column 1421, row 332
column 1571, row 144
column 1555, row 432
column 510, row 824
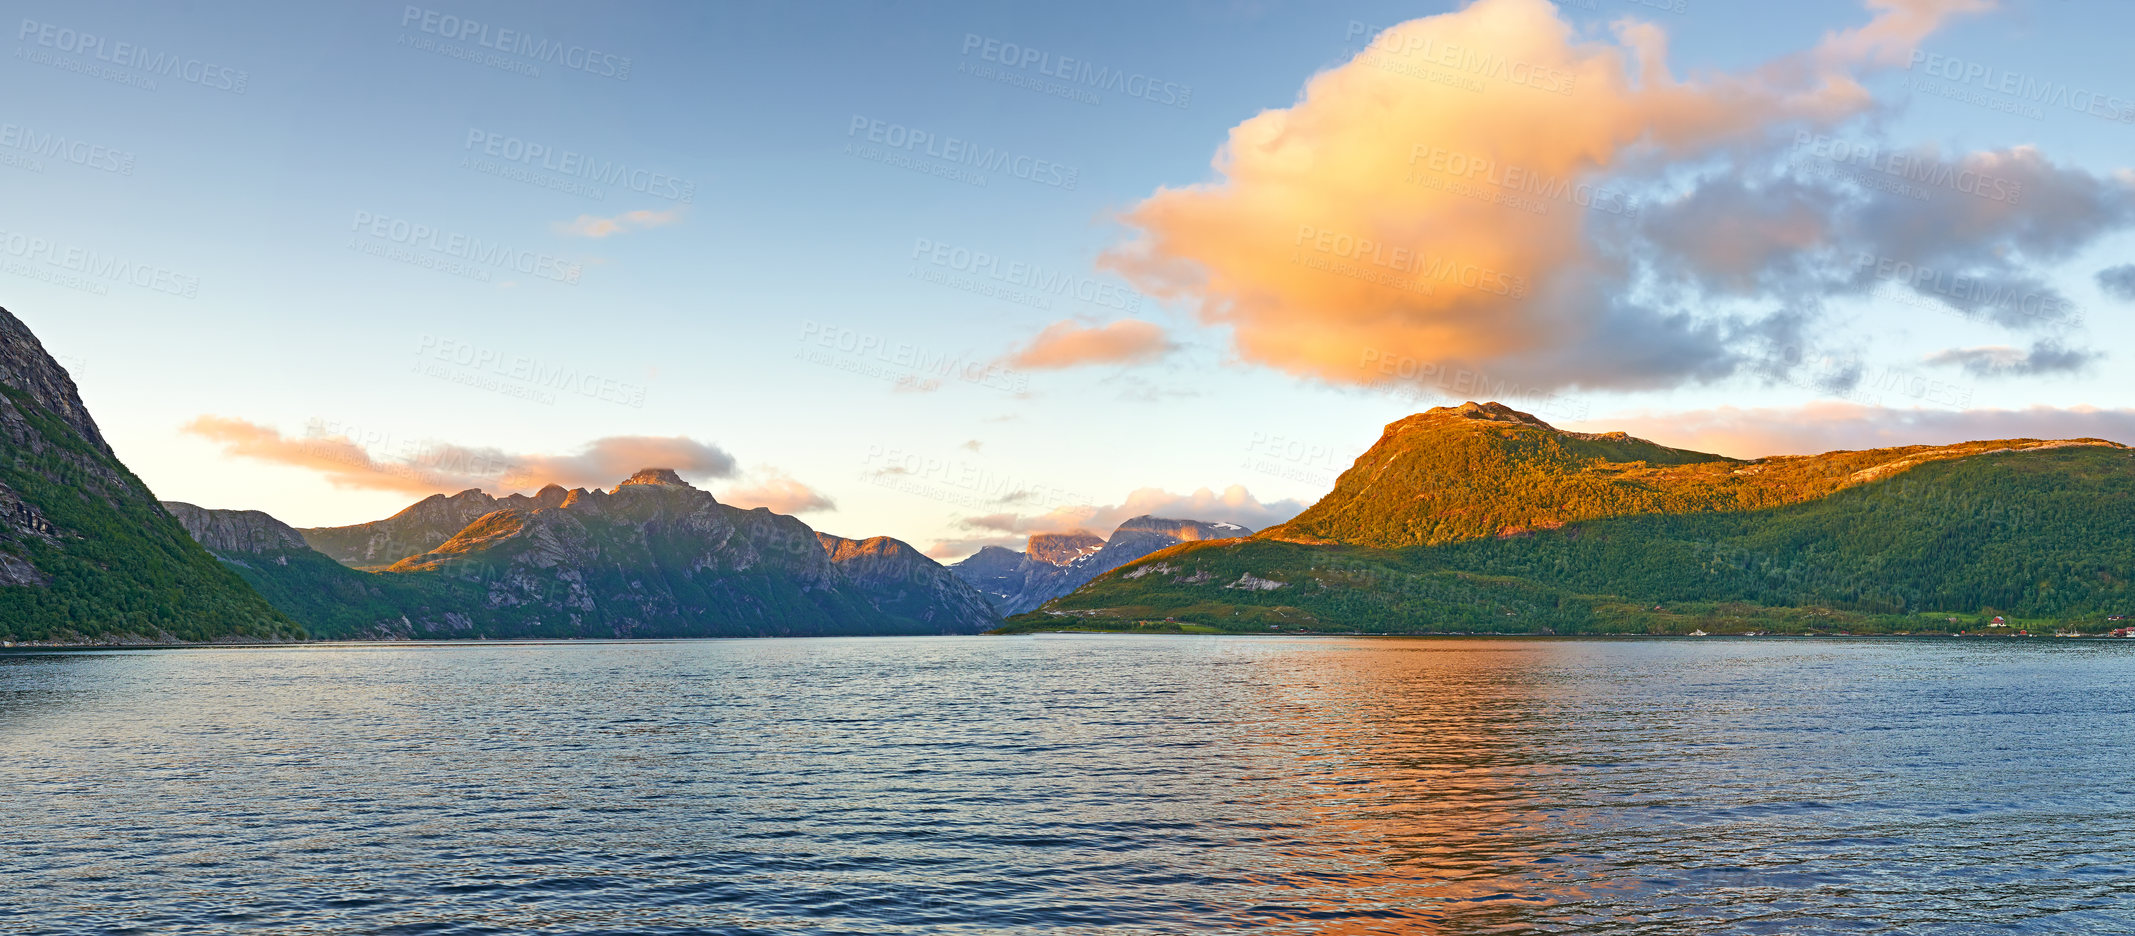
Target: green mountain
column 654, row 557
column 86, row 553
column 1480, row 518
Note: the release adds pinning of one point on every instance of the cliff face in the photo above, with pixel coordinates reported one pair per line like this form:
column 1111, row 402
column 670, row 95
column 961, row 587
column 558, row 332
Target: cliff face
column 86, row 553
column 235, row 531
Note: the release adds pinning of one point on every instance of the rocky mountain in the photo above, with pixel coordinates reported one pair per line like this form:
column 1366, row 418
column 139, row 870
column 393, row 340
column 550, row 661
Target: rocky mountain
column 654, row 557
column 419, row 528
column 901, row 581
column 1479, row 517
column 1054, row 564
column 86, row 553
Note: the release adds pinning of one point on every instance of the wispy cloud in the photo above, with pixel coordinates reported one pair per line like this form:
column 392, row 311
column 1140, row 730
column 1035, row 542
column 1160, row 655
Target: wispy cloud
column 2044, row 357
column 1068, row 343
column 2118, row 281
column 586, row 225
column 445, row 467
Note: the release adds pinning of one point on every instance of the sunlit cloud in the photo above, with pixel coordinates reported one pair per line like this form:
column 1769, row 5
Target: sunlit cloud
column 1664, row 237
column 586, row 225
column 447, row 468
column 1068, row 343
column 778, row 492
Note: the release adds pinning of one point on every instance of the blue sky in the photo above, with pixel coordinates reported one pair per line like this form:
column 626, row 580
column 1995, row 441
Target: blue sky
column 292, row 228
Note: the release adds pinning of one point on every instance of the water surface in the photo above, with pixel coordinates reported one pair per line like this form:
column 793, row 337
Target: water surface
column 1073, row 784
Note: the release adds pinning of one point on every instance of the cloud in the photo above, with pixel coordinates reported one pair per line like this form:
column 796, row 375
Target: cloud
column 449, row 468
column 1830, row 426
column 1068, row 343
column 2118, row 281
column 2045, row 357
column 1234, row 504
column 1489, row 191
column 780, row 493
column 586, row 225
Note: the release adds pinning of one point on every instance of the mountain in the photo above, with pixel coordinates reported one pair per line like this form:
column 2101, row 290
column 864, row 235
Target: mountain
column 419, row 528
column 331, row 600
column 655, row 557
column 1054, row 564
column 901, row 581
column 1482, row 518
column 86, row 553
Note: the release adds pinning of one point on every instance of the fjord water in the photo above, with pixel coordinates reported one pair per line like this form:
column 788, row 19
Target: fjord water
column 1073, row 784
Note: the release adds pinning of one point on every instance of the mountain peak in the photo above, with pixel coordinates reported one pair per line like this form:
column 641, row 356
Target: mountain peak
column 665, row 476
column 1488, row 412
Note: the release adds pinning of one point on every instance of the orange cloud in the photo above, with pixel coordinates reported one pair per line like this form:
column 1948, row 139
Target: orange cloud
column 1831, row 426
column 1068, row 343
column 586, row 225
column 1441, row 197
column 780, row 493
column 445, row 468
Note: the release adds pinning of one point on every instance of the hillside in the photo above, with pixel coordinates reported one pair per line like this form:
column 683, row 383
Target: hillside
column 1581, row 540
column 86, row 553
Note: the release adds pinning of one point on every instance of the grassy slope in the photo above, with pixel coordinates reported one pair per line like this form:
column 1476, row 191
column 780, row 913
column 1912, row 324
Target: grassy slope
column 124, row 571
column 2044, row 535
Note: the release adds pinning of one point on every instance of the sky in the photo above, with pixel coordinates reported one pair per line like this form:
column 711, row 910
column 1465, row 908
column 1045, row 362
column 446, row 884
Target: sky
column 958, row 272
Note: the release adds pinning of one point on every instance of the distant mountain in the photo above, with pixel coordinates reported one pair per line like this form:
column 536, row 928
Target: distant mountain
column 1482, row 518
column 901, row 581
column 1055, row 564
column 654, row 557
column 86, row 554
